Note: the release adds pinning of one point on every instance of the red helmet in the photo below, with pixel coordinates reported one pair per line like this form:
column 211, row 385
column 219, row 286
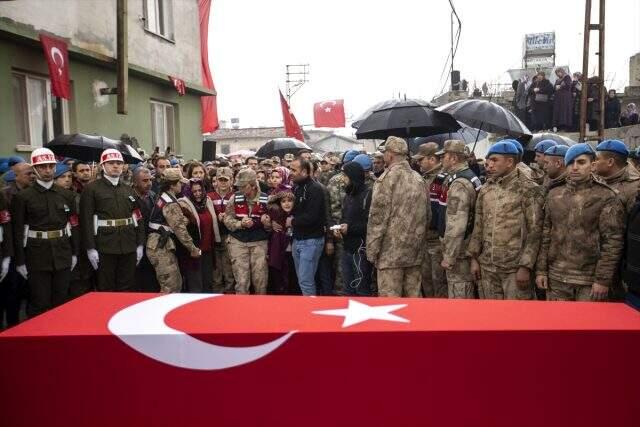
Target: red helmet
column 42, row 156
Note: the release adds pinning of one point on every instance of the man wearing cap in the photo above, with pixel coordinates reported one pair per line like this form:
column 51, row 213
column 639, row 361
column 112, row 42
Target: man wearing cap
column 522, row 167
column 111, row 233
column 611, row 165
column 434, row 280
column 327, row 171
column 45, row 224
column 276, row 161
column 539, row 173
column 398, row 221
column 168, row 228
column 507, row 229
column 249, row 225
column 146, row 280
column 365, row 161
column 583, row 234
column 287, row 159
column 223, row 280
column 378, row 164
column 455, row 218
column 556, row 172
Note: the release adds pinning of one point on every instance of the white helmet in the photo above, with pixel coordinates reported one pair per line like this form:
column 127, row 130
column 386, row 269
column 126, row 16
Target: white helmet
column 42, row 156
column 110, row 155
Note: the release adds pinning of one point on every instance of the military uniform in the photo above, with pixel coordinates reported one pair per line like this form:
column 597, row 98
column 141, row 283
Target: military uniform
column 248, row 247
column 456, row 223
column 146, row 280
column 397, row 227
column 46, row 237
column 109, row 220
column 168, row 228
column 582, row 240
column 223, row 280
column 506, row 234
column 336, row 188
column 625, row 183
column 82, row 276
column 434, row 279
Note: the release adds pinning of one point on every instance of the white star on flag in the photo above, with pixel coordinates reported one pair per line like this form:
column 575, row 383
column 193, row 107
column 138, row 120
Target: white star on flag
column 327, row 110
column 358, row 312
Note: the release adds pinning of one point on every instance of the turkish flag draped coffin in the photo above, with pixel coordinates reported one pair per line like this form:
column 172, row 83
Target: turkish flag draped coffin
column 56, row 53
column 291, row 126
column 329, row 114
column 214, row 360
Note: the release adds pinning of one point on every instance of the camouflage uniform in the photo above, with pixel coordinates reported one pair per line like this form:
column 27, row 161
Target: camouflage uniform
column 163, row 258
column 625, row 184
column 434, row 279
column 538, row 175
column 397, row 226
column 336, row 189
column 506, row 234
column 525, row 170
column 461, row 200
column 326, row 176
column 582, row 240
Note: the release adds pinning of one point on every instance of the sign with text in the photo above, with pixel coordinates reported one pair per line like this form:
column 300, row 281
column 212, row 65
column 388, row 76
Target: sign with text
column 539, row 43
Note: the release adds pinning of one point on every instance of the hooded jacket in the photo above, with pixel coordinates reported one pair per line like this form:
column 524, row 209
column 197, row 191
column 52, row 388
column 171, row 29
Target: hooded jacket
column 355, row 208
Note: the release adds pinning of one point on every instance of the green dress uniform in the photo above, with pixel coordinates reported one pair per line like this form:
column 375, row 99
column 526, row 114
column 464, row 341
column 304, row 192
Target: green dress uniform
column 109, row 220
column 46, row 236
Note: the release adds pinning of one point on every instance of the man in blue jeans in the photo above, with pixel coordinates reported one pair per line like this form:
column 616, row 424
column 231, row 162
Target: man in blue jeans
column 308, row 222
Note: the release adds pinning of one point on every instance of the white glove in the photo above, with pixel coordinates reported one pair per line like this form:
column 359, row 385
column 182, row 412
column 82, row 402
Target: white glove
column 74, row 261
column 5, row 267
column 94, row 258
column 22, row 270
column 139, row 252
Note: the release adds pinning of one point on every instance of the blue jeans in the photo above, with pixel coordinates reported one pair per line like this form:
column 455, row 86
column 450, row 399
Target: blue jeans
column 356, row 273
column 306, row 254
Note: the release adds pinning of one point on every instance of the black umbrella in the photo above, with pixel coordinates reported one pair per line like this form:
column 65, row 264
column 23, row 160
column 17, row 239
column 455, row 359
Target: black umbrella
column 465, row 133
column 406, row 119
column 89, row 147
column 381, row 106
column 537, row 137
column 281, row 146
column 486, row 115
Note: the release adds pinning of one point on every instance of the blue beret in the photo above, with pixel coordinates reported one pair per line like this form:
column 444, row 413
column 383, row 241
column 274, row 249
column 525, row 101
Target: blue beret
column 544, row 145
column 516, row 144
column 504, row 147
column 363, row 160
column 615, row 146
column 61, row 169
column 173, row 161
column 576, row 151
column 4, row 166
column 557, row 150
column 14, row 160
column 9, row 176
column 349, row 156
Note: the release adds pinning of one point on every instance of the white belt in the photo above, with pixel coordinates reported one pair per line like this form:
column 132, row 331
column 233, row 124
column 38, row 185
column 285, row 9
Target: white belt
column 156, row 226
column 115, row 222
column 51, row 234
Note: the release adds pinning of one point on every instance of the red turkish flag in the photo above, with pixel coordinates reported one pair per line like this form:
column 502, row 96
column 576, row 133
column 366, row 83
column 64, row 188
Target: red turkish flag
column 329, row 114
column 179, row 85
column 291, row 126
column 55, row 50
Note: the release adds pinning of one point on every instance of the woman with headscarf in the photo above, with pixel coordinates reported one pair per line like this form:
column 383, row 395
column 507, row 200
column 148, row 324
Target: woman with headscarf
column 630, row 115
column 612, row 109
column 282, row 273
column 540, row 93
column 203, row 228
column 280, row 180
column 562, row 101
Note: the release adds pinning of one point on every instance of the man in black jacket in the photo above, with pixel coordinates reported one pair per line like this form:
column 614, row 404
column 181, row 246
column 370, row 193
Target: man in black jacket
column 308, row 222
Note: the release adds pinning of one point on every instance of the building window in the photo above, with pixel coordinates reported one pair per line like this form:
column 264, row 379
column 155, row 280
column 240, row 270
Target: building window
column 225, row 149
column 158, row 17
column 39, row 115
column 163, row 125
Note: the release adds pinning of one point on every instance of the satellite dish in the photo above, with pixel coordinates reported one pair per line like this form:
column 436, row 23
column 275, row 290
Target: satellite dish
column 99, row 100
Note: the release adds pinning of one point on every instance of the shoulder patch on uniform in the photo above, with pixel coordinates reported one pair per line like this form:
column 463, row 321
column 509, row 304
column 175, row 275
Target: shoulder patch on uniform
column 166, row 198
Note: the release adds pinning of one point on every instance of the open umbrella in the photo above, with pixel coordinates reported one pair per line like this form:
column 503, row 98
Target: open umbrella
column 465, row 133
column 487, row 116
column 381, row 106
column 89, row 147
column 406, row 119
column 537, row 137
column 281, row 146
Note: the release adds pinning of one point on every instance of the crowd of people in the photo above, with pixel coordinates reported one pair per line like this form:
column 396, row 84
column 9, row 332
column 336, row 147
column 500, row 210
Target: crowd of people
column 542, row 105
column 436, row 224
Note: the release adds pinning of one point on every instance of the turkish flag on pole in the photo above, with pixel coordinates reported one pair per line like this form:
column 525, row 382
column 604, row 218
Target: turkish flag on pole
column 208, row 103
column 55, row 50
column 291, row 126
column 329, row 114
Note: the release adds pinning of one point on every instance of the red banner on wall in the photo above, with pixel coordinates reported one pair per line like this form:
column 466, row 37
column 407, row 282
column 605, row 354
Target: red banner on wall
column 208, row 103
column 57, row 55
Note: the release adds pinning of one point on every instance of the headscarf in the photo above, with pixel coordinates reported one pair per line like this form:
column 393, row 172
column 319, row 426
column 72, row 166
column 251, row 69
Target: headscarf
column 186, row 191
column 631, row 108
column 285, row 185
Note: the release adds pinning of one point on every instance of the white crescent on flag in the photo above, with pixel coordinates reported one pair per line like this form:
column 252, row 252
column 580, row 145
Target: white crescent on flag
column 56, row 52
column 142, row 327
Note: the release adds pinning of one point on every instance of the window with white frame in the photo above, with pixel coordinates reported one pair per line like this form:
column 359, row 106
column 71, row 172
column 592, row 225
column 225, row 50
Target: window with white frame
column 39, row 115
column 158, row 17
column 163, row 125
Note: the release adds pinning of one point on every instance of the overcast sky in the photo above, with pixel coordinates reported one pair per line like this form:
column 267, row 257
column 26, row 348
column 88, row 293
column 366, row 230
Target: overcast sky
column 368, row 51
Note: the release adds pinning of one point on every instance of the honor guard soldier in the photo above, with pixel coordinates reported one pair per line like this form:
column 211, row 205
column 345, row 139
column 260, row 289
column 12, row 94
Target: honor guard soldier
column 46, row 236
column 166, row 223
column 111, row 230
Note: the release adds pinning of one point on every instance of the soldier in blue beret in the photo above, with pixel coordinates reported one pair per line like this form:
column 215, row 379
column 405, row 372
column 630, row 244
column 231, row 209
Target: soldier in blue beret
column 556, row 173
column 539, row 164
column 534, row 175
column 611, row 166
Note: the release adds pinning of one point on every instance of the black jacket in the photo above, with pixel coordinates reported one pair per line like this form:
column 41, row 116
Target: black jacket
column 309, row 212
column 355, row 209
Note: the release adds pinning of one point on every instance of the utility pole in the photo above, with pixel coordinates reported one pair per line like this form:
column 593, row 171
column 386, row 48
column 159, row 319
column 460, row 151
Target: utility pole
column 588, row 27
column 122, row 59
column 296, row 77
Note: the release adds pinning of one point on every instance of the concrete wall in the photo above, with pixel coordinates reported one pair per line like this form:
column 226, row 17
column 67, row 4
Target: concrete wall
column 634, row 70
column 91, row 25
column 86, row 117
